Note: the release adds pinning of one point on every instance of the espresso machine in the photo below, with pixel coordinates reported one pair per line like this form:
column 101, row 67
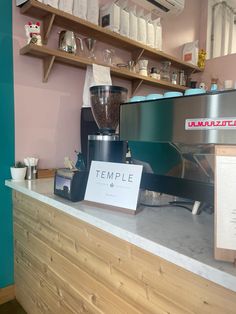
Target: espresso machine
column 105, row 145
column 174, row 139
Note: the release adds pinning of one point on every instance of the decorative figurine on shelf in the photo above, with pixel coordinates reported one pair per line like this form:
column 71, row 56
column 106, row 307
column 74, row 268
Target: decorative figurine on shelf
column 32, row 31
column 201, row 59
column 203, row 86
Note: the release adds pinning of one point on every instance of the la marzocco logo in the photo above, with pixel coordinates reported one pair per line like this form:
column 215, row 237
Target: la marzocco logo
column 210, row 124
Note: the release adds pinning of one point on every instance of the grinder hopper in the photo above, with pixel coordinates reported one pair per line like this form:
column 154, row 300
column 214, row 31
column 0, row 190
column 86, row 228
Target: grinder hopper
column 105, row 104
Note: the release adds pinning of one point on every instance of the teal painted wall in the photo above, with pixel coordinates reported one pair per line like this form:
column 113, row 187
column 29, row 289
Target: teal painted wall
column 6, row 143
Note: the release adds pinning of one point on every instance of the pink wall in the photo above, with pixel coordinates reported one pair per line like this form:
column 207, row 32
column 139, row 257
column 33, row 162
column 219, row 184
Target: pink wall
column 47, row 115
column 222, row 68
column 183, row 28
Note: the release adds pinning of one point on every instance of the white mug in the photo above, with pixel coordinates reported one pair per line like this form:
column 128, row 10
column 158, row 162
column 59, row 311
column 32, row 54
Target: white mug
column 228, row 84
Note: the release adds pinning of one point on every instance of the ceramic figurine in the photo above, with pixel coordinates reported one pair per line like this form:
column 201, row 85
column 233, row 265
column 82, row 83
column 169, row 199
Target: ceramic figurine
column 203, row 86
column 32, row 31
column 201, row 59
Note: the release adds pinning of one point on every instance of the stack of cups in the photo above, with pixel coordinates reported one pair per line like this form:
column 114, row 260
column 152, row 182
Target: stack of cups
column 31, row 163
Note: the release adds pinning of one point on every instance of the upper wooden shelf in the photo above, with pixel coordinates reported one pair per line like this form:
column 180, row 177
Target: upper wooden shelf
column 49, row 56
column 52, row 16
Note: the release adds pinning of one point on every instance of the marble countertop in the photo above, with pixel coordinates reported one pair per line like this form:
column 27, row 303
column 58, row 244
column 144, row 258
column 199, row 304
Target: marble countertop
column 172, row 233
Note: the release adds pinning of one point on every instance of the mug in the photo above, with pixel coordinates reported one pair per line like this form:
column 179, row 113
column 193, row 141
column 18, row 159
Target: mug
column 154, row 96
column 228, row 84
column 173, row 94
column 137, row 98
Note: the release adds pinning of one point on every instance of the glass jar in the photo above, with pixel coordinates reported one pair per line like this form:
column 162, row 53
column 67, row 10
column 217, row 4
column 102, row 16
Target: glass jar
column 182, row 78
column 143, row 64
column 165, row 70
column 174, row 78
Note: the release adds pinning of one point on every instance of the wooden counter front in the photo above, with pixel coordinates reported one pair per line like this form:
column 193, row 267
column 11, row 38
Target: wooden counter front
column 64, row 265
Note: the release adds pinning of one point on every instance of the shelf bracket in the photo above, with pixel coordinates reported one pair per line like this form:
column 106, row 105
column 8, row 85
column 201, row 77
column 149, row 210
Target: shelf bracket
column 47, row 27
column 135, row 85
column 137, row 54
column 47, row 66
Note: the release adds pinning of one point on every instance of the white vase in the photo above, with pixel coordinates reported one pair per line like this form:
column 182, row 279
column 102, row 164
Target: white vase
column 18, row 174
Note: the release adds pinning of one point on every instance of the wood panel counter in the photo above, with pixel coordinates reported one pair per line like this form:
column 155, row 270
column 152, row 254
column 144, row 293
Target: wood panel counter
column 74, row 258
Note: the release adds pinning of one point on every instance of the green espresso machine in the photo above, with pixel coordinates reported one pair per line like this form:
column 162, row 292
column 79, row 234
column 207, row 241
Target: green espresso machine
column 175, row 138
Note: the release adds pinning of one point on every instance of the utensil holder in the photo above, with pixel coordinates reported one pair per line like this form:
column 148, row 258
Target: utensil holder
column 31, row 173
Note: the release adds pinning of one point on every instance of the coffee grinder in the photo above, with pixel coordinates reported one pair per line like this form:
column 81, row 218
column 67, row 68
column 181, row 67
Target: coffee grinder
column 105, row 105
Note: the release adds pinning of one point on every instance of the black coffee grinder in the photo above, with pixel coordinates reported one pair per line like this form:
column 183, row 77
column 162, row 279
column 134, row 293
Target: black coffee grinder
column 105, row 105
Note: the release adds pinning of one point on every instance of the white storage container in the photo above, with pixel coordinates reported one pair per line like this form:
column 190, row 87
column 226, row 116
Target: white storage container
column 158, row 34
column 133, row 26
column 110, row 17
column 80, row 9
column 66, row 5
column 150, row 34
column 93, row 11
column 124, row 22
column 142, row 30
column 52, row 3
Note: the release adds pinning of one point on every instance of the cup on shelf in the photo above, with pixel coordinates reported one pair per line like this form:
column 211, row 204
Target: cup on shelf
column 137, row 98
column 131, row 65
column 90, row 44
column 143, row 64
column 165, row 70
column 108, row 56
column 154, row 96
column 194, row 91
column 172, row 94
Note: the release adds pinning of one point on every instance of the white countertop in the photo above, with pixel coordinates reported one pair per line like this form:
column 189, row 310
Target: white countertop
column 172, row 233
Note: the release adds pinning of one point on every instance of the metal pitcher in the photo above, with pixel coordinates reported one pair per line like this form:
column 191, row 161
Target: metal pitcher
column 67, row 41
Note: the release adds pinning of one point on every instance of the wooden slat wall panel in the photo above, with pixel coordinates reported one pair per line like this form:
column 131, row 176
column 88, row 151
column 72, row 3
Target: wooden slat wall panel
column 90, row 289
column 68, row 265
column 54, row 283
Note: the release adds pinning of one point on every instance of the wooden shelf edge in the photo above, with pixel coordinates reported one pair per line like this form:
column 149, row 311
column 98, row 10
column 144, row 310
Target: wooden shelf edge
column 37, row 9
column 52, row 55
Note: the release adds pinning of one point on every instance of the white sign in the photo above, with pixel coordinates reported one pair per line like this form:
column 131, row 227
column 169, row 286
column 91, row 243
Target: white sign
column 114, row 184
column 226, row 202
column 210, row 124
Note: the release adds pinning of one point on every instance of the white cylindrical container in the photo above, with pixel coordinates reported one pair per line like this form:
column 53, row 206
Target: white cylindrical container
column 228, row 84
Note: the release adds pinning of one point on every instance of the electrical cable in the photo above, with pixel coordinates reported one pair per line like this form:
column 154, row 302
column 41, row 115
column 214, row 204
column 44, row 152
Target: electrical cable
column 166, row 205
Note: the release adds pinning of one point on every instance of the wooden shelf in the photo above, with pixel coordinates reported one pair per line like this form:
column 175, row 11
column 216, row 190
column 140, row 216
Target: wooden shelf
column 51, row 16
column 49, row 56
